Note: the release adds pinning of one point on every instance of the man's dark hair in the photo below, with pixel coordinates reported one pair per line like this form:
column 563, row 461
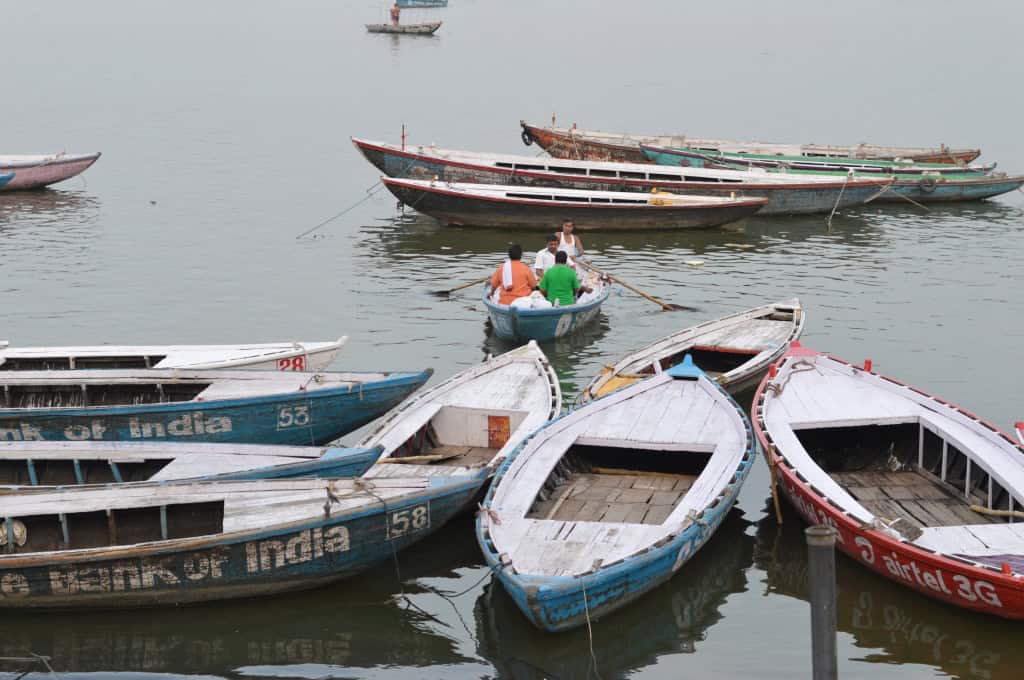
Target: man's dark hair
column 515, row 252
column 568, row 221
column 561, row 257
column 552, row 237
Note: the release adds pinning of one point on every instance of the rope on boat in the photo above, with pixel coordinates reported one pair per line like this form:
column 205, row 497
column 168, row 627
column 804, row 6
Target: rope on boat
column 590, row 630
column 369, row 194
column 828, row 222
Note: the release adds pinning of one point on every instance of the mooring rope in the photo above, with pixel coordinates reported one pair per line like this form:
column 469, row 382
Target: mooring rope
column 839, row 198
column 369, row 194
column 590, row 630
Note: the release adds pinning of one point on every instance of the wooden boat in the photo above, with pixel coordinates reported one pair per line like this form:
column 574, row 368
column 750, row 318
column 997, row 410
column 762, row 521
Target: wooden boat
column 426, row 28
column 171, row 544
column 5, row 178
column 610, row 146
column 509, row 322
column 499, row 206
column 734, row 351
column 282, row 356
column 786, row 194
column 412, row 4
column 36, row 171
column 918, row 489
column 39, row 464
column 609, row 501
column 471, row 421
column 259, row 407
column 664, row 155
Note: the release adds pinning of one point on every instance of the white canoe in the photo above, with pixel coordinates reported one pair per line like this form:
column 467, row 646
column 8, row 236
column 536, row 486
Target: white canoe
column 282, row 356
column 471, row 421
column 34, row 171
column 735, row 350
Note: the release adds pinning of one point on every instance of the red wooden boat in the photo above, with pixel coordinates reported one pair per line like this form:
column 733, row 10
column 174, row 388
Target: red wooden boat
column 919, row 490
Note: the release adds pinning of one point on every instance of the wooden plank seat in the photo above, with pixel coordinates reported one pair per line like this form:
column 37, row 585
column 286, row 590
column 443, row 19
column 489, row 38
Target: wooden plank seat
column 617, row 496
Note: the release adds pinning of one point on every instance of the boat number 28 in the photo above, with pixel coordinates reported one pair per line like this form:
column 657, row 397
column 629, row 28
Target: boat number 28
column 292, row 416
column 408, row 520
column 292, row 364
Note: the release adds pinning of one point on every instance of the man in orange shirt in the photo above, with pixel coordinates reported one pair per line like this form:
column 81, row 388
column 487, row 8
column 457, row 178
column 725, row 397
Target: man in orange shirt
column 513, row 278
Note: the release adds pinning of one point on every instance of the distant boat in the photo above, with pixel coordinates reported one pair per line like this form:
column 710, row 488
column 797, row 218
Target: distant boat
column 259, row 407
column 171, row 544
column 426, row 28
column 5, row 178
column 611, row 146
column 919, row 490
column 40, row 170
column 786, row 194
column 421, row 3
column 36, row 464
column 282, row 356
column 515, row 207
column 509, row 322
column 1019, row 427
column 734, row 351
column 611, row 500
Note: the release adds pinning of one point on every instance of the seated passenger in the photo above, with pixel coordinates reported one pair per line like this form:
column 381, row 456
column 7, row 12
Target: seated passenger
column 545, row 259
column 513, row 278
column 560, row 283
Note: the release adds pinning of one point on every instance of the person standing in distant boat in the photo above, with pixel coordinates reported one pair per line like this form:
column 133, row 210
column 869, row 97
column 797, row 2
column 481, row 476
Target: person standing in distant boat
column 513, row 278
column 569, row 243
column 396, row 12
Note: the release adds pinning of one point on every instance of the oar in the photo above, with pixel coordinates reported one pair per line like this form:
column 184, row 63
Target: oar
column 665, row 306
column 443, row 293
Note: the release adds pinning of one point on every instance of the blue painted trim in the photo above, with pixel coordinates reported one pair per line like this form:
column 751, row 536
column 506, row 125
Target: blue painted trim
column 5, row 178
column 685, row 369
column 116, row 472
column 33, row 478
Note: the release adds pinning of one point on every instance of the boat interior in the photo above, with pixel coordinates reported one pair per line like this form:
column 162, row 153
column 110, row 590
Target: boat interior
column 51, row 363
column 457, row 435
column 65, row 471
column 909, row 473
column 604, row 483
column 81, row 395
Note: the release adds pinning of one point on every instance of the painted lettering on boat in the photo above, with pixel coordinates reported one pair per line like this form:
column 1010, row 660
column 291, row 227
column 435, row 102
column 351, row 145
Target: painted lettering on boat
column 812, row 514
column 271, row 554
column 187, row 425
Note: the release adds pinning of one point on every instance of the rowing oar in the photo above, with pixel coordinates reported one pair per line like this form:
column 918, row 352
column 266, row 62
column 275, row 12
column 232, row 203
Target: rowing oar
column 443, row 293
column 665, row 306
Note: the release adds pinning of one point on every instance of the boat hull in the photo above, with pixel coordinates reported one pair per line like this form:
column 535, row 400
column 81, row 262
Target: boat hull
column 949, row 191
column 523, row 325
column 41, row 174
column 405, row 29
column 302, row 556
column 453, row 208
column 306, row 418
column 410, row 4
column 783, row 199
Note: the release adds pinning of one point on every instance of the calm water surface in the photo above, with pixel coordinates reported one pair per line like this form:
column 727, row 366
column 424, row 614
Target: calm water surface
column 225, row 128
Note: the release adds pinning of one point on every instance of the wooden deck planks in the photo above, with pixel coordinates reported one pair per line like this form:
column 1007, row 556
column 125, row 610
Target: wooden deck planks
column 633, row 499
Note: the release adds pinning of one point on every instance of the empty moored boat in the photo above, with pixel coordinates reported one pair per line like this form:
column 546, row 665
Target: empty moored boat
column 517, row 207
column 595, row 145
column 425, row 28
column 258, row 407
column 918, row 489
column 735, row 351
column 786, row 194
column 170, row 544
column 606, row 503
column 37, row 464
column 34, row 171
column 282, row 356
column 519, row 324
column 470, row 422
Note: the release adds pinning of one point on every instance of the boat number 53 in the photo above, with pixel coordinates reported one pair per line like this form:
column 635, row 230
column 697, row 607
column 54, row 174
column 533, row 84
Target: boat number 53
column 293, row 416
column 408, row 520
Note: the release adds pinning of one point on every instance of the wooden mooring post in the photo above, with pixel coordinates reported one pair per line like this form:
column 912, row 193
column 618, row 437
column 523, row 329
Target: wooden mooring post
column 821, row 571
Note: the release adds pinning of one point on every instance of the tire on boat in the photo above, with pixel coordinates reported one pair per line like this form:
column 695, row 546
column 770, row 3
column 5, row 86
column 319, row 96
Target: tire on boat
column 927, row 184
column 526, row 137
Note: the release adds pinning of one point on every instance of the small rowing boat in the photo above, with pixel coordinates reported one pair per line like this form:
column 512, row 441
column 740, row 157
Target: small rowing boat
column 735, row 351
column 611, row 146
column 471, row 421
column 34, row 171
column 282, row 356
column 38, row 464
column 516, row 207
column 919, row 490
column 258, row 407
column 608, row 502
column 426, row 28
column 786, row 194
column 171, row 544
column 520, row 324
column 412, row 4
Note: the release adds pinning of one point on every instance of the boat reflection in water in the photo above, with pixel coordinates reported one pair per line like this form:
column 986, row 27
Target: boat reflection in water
column 895, row 624
column 672, row 619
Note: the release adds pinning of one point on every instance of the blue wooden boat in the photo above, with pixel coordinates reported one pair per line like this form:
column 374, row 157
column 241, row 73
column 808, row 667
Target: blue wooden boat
column 609, row 501
column 520, row 325
column 38, row 464
column 263, row 407
column 408, row 4
column 5, row 178
column 171, row 544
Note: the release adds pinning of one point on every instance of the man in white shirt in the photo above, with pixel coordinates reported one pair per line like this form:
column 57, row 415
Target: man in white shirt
column 545, row 259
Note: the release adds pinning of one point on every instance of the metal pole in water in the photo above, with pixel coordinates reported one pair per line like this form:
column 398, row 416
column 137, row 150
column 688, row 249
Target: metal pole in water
column 821, row 572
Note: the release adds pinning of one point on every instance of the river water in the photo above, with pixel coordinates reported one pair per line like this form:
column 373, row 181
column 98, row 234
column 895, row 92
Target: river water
column 224, row 128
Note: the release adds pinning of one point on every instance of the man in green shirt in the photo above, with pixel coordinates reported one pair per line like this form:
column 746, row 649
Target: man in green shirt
column 559, row 283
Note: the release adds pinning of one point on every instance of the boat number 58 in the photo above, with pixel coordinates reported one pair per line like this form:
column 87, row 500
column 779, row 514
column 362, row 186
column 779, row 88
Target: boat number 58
column 408, row 520
column 292, row 416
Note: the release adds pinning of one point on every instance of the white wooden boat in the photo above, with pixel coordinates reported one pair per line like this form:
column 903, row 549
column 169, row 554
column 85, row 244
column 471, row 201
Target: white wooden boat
column 609, row 501
column 735, row 350
column 282, row 356
column 37, row 464
column 34, row 171
column 470, row 421
column 919, row 490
